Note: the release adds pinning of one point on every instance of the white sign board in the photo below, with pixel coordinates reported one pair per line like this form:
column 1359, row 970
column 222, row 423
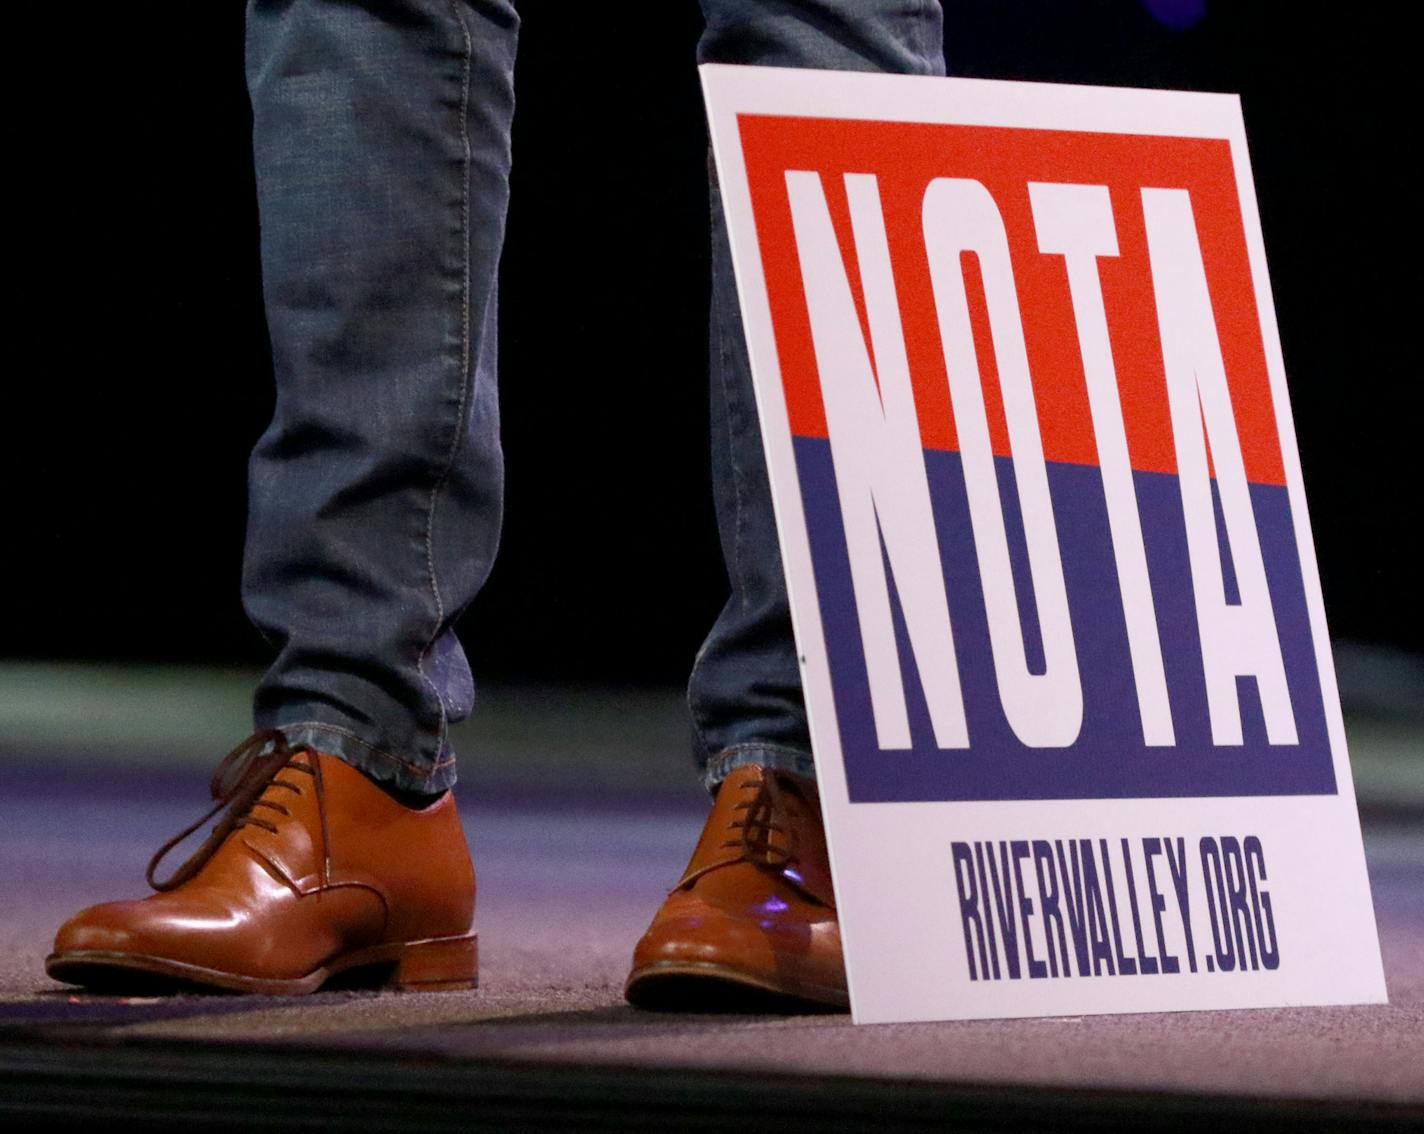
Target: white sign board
column 1071, row 696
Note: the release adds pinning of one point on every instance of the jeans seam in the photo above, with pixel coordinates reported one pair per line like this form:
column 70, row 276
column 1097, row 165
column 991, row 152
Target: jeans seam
column 931, row 51
column 736, row 573
column 422, row 770
column 694, row 702
column 723, row 358
column 465, row 380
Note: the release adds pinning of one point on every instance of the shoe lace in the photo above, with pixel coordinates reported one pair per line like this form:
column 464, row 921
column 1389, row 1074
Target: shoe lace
column 240, row 778
column 756, row 820
column 765, row 829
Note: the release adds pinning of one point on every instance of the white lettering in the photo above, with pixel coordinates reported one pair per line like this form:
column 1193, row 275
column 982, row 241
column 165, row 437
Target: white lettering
column 1076, row 222
column 1236, row 639
column 1045, row 710
column 879, row 462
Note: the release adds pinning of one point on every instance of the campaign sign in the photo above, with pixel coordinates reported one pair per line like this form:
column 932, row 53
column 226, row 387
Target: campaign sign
column 1071, row 697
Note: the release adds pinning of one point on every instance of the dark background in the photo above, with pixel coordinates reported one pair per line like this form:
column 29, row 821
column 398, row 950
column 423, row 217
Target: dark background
column 139, row 376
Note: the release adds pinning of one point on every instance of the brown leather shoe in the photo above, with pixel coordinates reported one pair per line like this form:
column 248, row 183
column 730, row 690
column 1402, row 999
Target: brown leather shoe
column 754, row 912
column 313, row 871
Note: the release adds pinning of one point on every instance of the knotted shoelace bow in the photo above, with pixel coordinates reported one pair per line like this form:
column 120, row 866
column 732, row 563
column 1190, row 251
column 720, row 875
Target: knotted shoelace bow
column 240, row 777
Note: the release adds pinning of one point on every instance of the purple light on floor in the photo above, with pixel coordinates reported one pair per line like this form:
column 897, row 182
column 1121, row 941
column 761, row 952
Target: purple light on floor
column 1179, row 15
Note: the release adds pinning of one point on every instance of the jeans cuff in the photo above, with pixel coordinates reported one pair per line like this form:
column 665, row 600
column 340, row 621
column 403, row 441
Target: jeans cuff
column 375, row 762
column 783, row 759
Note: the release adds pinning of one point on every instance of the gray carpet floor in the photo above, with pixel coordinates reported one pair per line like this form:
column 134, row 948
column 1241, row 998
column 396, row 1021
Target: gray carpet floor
column 568, row 881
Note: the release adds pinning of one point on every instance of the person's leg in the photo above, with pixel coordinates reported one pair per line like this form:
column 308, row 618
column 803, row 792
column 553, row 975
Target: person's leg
column 381, row 139
column 745, row 689
column 754, row 913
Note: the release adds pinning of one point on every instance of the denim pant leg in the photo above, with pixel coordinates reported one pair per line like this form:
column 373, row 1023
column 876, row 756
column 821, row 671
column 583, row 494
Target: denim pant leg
column 381, row 139
column 745, row 690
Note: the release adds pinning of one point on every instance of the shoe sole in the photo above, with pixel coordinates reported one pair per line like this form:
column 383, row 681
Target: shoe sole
column 437, row 964
column 705, row 985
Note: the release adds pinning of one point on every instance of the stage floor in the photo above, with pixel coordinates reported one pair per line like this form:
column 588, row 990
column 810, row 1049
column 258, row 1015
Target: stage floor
column 569, row 876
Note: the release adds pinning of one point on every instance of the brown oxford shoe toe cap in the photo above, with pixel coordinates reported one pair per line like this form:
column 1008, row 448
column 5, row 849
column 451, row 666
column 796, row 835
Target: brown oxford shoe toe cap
column 692, row 931
column 686, row 950
column 103, row 928
column 109, row 948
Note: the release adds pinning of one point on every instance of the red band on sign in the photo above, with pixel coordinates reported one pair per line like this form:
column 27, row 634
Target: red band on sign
column 905, row 158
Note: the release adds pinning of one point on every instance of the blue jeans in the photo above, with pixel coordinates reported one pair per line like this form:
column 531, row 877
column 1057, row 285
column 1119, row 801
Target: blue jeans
column 381, row 140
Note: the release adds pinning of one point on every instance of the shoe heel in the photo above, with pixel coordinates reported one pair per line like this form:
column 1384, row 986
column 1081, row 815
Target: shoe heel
column 437, row 965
